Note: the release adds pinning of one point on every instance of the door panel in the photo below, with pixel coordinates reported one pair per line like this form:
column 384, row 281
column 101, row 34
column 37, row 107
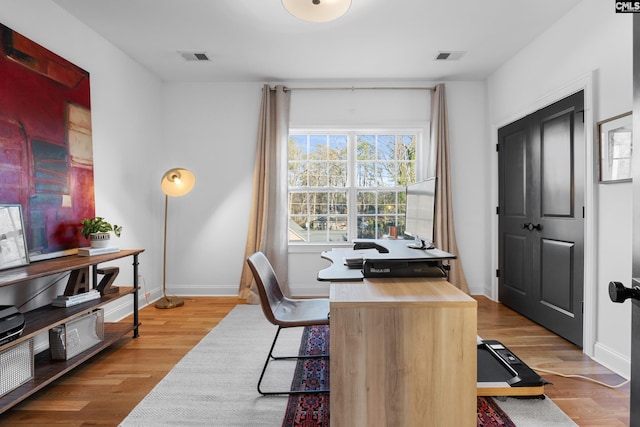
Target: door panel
column 557, row 166
column 557, row 258
column 515, row 167
column 541, row 180
column 515, row 263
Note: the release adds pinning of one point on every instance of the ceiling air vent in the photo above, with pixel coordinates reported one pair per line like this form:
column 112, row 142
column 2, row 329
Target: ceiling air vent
column 194, row 56
column 448, row 56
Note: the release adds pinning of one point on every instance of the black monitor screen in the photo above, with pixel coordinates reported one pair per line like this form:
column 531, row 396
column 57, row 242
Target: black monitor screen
column 420, row 210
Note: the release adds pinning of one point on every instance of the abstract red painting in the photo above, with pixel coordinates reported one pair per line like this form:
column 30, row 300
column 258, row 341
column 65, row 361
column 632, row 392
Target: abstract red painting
column 46, row 155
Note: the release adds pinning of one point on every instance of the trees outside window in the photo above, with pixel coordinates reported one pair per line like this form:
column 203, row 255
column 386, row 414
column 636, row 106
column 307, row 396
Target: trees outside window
column 347, row 185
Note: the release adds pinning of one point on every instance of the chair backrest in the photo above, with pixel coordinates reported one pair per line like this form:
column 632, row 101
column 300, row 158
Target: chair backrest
column 268, row 287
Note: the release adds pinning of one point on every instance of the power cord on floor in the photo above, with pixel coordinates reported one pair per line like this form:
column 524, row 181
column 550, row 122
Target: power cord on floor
column 546, row 371
column 142, row 282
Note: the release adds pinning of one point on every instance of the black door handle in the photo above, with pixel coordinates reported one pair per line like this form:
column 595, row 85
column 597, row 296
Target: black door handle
column 619, row 293
column 529, row 226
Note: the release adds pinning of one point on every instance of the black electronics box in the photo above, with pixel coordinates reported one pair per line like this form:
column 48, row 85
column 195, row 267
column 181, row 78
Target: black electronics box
column 392, row 268
column 11, row 323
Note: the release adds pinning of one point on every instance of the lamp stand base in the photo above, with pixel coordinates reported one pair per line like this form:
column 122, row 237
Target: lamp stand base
column 169, row 302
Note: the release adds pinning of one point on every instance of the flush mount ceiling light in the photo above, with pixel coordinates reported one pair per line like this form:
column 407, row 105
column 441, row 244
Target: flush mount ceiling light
column 317, row 10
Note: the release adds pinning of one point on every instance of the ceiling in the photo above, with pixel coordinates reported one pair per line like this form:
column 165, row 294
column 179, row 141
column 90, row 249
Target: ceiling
column 259, row 41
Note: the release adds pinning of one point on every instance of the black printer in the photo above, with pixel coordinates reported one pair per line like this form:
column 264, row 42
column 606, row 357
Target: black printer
column 11, row 323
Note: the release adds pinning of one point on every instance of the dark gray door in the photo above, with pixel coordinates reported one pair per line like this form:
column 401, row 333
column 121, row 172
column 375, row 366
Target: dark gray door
column 541, row 235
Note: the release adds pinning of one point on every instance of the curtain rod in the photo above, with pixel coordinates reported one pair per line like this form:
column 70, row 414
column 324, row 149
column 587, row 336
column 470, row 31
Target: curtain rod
column 362, row 88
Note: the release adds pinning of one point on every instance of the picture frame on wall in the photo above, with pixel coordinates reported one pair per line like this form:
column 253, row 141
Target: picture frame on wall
column 13, row 242
column 615, row 143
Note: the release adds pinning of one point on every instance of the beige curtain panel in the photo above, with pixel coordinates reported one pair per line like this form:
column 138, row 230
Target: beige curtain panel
column 444, row 232
column 268, row 222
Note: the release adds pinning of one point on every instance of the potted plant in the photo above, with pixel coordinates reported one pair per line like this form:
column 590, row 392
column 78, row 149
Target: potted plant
column 99, row 231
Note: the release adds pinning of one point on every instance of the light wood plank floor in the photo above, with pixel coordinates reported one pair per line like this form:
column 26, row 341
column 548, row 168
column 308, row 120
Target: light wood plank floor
column 103, row 391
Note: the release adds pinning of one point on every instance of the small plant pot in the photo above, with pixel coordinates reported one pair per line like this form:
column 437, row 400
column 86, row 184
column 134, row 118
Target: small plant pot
column 100, row 240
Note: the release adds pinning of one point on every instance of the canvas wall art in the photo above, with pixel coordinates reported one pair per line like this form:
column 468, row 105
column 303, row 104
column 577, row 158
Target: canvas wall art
column 46, row 155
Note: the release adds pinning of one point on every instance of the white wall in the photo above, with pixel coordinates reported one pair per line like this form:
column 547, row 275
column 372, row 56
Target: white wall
column 590, row 42
column 126, row 117
column 212, row 130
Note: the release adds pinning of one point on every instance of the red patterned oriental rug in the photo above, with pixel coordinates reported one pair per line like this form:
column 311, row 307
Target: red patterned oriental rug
column 312, row 410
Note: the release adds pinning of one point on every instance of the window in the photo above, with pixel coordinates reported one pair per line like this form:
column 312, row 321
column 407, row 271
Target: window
column 347, row 185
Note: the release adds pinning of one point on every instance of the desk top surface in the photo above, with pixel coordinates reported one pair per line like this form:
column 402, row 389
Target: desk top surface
column 397, row 251
column 400, row 291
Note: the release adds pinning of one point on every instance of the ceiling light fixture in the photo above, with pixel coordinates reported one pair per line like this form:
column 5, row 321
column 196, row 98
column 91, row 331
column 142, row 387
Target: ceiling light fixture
column 317, row 10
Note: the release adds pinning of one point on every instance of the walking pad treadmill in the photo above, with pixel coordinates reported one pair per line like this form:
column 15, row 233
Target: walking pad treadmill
column 501, row 373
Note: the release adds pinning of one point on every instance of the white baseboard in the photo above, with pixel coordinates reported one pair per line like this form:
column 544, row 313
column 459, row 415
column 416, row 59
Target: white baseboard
column 477, row 290
column 206, row 290
column 613, row 360
column 312, row 290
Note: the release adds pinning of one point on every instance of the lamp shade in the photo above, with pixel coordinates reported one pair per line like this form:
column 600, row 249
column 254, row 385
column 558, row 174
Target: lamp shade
column 317, row 10
column 177, row 182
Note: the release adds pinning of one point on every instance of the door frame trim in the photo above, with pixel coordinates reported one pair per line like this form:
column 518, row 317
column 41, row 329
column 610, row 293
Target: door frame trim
column 584, row 82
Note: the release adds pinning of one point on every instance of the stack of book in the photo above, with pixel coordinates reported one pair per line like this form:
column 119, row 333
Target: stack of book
column 71, row 300
column 97, row 251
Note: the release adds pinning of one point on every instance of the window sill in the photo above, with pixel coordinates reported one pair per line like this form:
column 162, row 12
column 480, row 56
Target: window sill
column 316, row 248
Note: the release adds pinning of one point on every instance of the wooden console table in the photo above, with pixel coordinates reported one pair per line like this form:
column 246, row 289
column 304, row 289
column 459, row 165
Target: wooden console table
column 403, row 353
column 44, row 318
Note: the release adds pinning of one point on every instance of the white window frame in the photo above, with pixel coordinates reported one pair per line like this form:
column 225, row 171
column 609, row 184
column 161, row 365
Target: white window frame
column 423, row 150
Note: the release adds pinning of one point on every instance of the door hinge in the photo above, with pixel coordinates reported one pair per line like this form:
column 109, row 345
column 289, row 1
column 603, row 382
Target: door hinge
column 583, row 212
column 498, row 147
column 497, row 210
column 498, row 273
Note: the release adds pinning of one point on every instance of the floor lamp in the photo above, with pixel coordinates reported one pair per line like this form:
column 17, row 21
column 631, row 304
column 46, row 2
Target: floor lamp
column 175, row 183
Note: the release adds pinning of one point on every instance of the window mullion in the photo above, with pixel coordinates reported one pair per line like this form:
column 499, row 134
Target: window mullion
column 352, row 189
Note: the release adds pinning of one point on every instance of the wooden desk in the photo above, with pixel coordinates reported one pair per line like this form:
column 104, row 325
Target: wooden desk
column 403, row 353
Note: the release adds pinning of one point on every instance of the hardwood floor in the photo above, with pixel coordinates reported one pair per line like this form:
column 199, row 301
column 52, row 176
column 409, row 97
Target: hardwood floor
column 104, row 390
column 587, row 403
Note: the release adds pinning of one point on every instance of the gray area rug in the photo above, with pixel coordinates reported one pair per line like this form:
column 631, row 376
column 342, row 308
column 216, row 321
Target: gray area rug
column 215, row 383
column 534, row 413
